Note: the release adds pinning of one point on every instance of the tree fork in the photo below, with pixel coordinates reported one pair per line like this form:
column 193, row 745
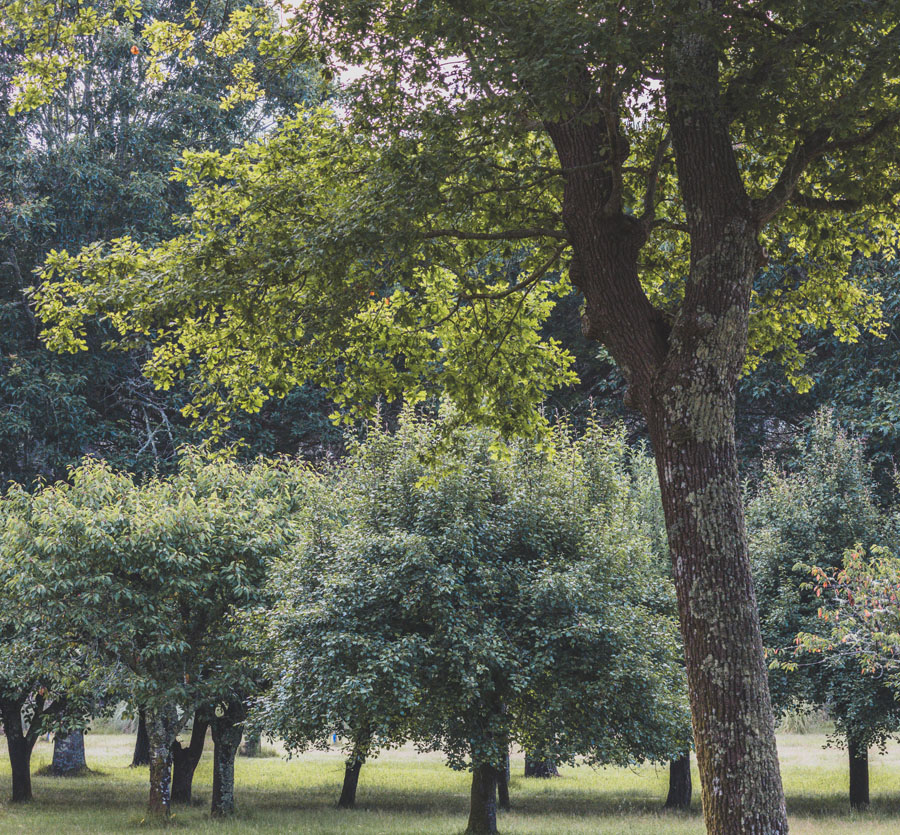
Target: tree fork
column 185, row 761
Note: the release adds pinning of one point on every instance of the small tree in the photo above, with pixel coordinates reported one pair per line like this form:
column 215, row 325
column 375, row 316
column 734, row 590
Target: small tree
column 506, row 600
column 152, row 575
column 859, row 634
column 811, row 517
column 43, row 668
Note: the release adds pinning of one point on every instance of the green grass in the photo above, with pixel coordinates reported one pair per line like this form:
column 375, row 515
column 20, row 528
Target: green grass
column 402, row 792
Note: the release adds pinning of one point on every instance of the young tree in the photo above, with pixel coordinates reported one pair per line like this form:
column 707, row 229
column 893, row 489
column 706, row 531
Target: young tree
column 152, row 575
column 656, row 150
column 506, row 602
column 858, row 632
column 812, row 516
column 43, row 667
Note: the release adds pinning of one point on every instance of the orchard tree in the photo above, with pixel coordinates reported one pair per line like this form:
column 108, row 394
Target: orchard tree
column 813, row 516
column 50, row 681
column 861, row 610
column 152, row 576
column 43, row 671
column 655, row 151
column 858, row 632
column 505, row 602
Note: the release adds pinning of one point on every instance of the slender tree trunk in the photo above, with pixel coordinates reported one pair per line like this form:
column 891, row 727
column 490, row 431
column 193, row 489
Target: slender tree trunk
column 536, row 767
column 503, row 789
column 162, row 726
column 351, row 781
column 19, row 750
column 185, row 760
column 859, row 774
column 226, row 733
column 679, row 796
column 142, row 742
column 68, row 754
column 362, row 742
column 483, row 801
column 251, row 745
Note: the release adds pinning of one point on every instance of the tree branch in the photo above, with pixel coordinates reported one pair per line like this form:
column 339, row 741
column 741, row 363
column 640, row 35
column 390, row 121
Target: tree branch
column 506, row 235
column 824, row 204
column 646, row 217
column 536, row 276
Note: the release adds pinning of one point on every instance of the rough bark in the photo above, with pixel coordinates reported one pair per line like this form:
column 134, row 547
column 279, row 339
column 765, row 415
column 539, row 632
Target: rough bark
column 68, row 754
column 141, row 743
column 682, row 374
column 251, row 745
column 162, row 726
column 185, row 760
column 537, row 767
column 20, row 747
column 226, row 733
column 483, row 801
column 680, row 788
column 859, row 774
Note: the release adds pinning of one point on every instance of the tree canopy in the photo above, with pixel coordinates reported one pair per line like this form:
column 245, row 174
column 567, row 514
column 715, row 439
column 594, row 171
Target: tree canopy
column 512, row 601
column 659, row 152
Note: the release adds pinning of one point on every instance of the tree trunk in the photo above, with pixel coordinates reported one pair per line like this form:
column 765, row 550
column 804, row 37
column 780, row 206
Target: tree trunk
column 859, row 774
column 251, row 745
column 503, row 789
column 162, row 726
column 185, row 760
column 361, row 744
column 68, row 754
column 141, row 742
column 535, row 767
column 682, row 373
column 679, row 796
column 226, row 733
column 483, row 801
column 727, row 677
column 19, row 750
column 351, row 780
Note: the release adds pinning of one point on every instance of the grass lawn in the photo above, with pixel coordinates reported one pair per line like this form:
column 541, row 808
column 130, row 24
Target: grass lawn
column 402, row 792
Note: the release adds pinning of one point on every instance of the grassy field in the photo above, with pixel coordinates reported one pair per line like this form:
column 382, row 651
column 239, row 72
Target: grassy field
column 402, row 792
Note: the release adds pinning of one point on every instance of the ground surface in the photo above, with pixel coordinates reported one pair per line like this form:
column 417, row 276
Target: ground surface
column 403, row 792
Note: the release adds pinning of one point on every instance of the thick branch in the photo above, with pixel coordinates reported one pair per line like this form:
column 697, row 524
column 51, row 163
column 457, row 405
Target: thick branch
column 803, row 153
column 816, row 144
column 825, row 204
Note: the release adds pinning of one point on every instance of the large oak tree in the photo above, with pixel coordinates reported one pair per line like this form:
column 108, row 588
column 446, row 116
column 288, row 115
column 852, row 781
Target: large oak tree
column 653, row 150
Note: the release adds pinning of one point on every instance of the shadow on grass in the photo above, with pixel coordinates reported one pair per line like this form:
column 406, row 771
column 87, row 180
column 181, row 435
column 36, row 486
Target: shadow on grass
column 47, row 771
column 127, row 797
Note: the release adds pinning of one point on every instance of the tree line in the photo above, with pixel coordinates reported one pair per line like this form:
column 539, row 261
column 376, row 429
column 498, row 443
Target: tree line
column 499, row 594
